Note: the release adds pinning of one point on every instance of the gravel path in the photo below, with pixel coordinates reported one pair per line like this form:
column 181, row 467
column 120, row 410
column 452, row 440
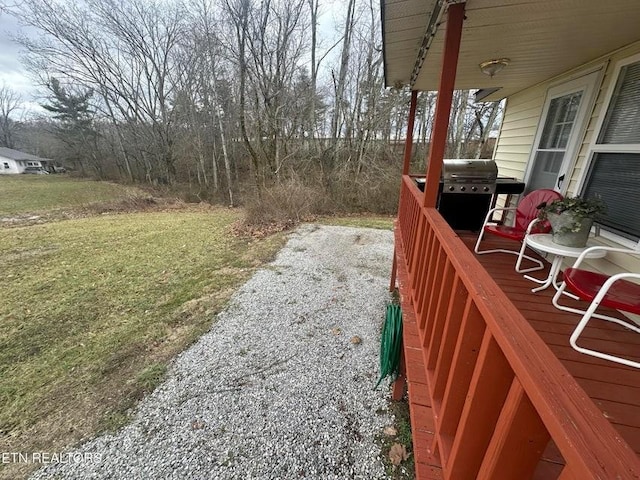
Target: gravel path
column 280, row 387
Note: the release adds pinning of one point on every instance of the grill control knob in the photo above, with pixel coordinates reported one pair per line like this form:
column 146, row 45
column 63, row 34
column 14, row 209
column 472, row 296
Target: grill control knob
column 486, row 189
column 463, row 188
column 474, row 189
column 451, row 188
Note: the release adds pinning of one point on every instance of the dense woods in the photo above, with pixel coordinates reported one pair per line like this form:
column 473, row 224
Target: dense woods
column 232, row 100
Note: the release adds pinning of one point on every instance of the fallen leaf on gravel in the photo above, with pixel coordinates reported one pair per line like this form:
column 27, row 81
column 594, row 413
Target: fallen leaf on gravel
column 398, row 453
column 391, row 431
column 356, row 340
column 336, row 331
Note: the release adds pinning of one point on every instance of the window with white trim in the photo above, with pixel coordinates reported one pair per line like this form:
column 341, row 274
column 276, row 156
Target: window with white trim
column 614, row 170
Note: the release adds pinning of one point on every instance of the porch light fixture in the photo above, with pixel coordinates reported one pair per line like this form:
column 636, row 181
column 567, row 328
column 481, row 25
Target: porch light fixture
column 491, row 67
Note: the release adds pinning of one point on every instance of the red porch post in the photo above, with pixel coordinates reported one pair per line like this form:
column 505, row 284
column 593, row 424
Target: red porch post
column 455, row 17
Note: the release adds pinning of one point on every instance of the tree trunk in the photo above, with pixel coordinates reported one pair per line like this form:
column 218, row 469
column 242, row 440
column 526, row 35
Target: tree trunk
column 485, row 130
column 313, row 6
column 241, row 36
column 342, row 74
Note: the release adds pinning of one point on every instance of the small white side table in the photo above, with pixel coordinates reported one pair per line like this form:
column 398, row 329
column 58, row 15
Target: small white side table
column 544, row 242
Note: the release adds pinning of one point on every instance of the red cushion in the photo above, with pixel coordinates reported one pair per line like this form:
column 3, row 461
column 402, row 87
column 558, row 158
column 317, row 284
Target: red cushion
column 505, row 232
column 514, row 233
column 623, row 295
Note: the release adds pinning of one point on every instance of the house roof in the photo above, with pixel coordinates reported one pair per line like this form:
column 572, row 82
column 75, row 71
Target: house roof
column 542, row 39
column 18, row 155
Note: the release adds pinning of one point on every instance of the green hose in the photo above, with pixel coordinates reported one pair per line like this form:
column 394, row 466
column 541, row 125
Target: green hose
column 390, row 343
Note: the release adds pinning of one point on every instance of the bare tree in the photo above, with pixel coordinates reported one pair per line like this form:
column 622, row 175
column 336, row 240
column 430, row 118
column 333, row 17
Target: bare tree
column 10, row 101
column 238, row 13
column 486, row 115
column 272, row 46
column 208, row 46
column 124, row 51
column 457, row 122
column 314, row 6
column 370, row 82
column 340, row 80
column 220, row 93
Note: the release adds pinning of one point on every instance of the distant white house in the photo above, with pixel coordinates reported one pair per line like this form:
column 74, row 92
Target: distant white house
column 15, row 161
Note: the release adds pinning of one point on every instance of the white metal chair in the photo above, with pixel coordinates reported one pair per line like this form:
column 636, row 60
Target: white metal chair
column 526, row 221
column 616, row 291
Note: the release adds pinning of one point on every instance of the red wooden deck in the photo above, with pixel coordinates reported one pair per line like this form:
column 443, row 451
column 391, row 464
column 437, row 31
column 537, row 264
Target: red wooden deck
column 614, row 388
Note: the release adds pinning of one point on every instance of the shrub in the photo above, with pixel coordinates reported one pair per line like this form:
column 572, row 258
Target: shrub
column 302, row 197
column 287, row 203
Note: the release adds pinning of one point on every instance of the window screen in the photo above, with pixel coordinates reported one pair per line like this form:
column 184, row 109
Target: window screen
column 621, row 124
column 615, row 177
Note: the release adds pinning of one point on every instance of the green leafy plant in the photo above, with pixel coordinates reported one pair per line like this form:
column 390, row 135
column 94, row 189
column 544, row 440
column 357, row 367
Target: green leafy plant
column 579, row 207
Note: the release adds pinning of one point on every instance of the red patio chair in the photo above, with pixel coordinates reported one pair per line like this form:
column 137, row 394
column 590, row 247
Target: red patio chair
column 526, row 222
column 614, row 291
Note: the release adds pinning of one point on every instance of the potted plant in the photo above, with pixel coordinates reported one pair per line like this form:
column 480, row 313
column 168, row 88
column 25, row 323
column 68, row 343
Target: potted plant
column 571, row 219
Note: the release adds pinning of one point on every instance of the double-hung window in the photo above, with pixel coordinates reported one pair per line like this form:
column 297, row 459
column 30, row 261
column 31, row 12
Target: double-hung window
column 614, row 169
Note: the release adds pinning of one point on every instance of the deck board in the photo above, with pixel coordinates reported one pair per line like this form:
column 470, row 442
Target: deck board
column 613, row 387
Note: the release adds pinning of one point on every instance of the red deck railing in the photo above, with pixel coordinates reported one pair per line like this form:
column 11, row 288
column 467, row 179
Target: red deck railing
column 497, row 393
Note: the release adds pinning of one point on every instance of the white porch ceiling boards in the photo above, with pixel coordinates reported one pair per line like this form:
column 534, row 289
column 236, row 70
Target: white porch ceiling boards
column 542, row 38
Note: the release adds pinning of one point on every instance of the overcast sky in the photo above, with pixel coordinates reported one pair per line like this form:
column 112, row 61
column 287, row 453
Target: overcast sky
column 12, row 74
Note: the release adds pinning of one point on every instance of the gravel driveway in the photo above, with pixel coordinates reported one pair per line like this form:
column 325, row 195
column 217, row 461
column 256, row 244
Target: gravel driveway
column 281, row 387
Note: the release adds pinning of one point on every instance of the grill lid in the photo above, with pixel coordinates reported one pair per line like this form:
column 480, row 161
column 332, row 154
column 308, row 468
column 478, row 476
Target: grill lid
column 461, row 170
column 469, row 176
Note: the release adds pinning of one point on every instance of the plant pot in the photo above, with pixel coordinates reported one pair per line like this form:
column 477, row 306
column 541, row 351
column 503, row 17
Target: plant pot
column 563, row 223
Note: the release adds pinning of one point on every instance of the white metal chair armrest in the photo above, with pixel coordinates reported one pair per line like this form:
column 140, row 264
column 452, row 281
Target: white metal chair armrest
column 607, row 249
column 532, row 224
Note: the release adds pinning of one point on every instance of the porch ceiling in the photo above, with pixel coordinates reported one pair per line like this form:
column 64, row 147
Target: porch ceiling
column 542, row 38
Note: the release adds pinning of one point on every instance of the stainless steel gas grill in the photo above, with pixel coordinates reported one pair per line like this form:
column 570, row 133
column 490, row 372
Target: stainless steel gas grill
column 467, row 190
column 469, row 177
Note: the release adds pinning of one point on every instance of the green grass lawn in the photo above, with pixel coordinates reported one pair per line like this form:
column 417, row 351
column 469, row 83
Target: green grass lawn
column 21, row 194
column 93, row 308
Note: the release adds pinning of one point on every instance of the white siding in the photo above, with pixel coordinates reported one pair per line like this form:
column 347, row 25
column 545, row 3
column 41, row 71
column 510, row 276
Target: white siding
column 14, row 167
column 518, row 130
